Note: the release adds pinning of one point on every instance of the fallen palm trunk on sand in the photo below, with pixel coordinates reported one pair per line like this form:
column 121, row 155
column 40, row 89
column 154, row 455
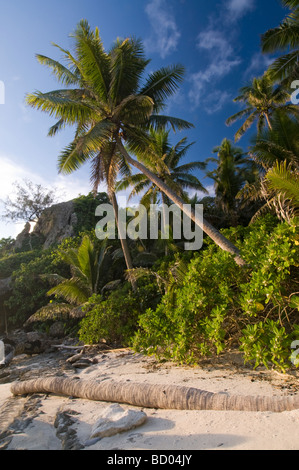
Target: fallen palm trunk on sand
column 153, row 396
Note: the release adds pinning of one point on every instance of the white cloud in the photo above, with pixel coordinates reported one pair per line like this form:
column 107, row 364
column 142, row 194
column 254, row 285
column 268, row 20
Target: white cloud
column 166, row 35
column 222, row 59
column 259, row 63
column 238, row 8
column 216, row 100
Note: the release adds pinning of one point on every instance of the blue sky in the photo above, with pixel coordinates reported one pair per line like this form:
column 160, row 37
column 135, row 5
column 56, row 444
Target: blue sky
column 218, row 42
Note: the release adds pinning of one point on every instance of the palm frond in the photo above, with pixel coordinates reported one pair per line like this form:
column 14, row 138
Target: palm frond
column 160, row 122
column 232, row 119
column 127, row 63
column 62, row 73
column 284, row 36
column 162, row 84
column 72, row 290
column 246, row 125
column 282, row 67
column 62, row 104
column 93, row 59
column 284, row 180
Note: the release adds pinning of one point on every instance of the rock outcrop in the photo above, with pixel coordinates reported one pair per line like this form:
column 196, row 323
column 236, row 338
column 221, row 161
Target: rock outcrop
column 56, row 223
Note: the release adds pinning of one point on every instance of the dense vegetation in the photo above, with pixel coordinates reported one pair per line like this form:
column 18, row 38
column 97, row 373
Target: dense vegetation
column 241, row 289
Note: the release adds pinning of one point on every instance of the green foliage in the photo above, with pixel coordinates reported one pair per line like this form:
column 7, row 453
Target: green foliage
column 219, row 304
column 266, row 342
column 6, row 246
column 29, row 289
column 85, row 207
column 115, row 318
column 13, row 262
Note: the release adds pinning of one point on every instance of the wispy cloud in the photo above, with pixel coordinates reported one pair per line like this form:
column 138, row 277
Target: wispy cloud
column 165, row 36
column 238, row 8
column 217, row 47
column 222, row 59
column 216, row 100
column 258, row 64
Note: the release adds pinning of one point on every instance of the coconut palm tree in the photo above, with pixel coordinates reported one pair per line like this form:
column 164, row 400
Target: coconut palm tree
column 276, row 152
column 105, row 167
column 111, row 104
column 233, row 171
column 164, row 160
column 284, row 38
column 262, row 99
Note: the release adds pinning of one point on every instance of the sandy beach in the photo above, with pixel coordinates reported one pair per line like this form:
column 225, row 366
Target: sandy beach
column 28, row 422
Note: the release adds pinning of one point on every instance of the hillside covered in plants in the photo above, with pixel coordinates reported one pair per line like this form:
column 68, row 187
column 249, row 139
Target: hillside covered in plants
column 241, row 288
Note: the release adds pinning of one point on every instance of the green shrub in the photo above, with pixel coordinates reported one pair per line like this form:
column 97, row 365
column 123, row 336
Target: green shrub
column 11, row 263
column 29, row 290
column 115, row 318
column 220, row 303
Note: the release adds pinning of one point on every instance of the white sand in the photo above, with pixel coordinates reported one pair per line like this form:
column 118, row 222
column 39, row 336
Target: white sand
column 170, row 429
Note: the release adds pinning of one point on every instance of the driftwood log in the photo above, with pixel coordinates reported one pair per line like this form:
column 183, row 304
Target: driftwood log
column 153, row 396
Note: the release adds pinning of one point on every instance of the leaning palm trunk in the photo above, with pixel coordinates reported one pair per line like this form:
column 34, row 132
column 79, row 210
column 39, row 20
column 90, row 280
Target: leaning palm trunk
column 123, row 240
column 153, row 396
column 214, row 234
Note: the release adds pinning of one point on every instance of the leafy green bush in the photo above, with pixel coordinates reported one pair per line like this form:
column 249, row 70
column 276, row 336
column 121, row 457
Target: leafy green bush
column 85, row 207
column 11, row 263
column 220, row 303
column 115, row 318
column 266, row 342
column 29, row 289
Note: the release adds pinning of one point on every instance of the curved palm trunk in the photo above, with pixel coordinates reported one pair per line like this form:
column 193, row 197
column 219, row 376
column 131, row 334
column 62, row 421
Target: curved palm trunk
column 164, row 218
column 213, row 233
column 154, row 396
column 123, row 240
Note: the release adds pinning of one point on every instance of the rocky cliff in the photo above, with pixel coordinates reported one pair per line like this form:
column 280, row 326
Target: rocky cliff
column 56, row 223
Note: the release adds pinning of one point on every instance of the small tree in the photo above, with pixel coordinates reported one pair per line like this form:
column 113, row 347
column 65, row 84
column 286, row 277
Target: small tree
column 30, row 201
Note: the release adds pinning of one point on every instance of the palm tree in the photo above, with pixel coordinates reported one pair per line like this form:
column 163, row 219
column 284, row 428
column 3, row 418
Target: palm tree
column 113, row 106
column 163, row 160
column 85, row 263
column 276, row 153
column 284, row 37
column 105, row 167
column 277, row 144
column 232, row 172
column 262, row 99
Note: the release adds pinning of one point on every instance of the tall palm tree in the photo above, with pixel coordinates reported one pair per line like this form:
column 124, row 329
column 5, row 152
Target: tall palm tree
column 112, row 105
column 284, row 38
column 163, row 160
column 231, row 174
column 261, row 99
column 106, row 166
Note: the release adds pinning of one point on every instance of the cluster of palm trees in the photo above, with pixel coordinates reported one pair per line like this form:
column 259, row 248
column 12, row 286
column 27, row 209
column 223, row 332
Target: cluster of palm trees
column 120, row 128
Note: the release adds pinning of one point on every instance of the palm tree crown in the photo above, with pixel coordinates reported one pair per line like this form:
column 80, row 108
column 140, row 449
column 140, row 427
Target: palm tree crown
column 232, row 172
column 110, row 99
column 262, row 99
column 112, row 104
column 164, row 160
